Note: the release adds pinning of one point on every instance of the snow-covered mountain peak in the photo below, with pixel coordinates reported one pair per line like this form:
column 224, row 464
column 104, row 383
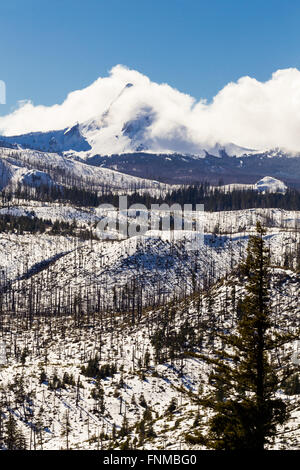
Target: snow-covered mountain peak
column 137, row 117
column 183, row 124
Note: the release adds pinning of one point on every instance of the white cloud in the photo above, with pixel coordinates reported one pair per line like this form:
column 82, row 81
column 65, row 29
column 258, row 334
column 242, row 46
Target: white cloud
column 248, row 113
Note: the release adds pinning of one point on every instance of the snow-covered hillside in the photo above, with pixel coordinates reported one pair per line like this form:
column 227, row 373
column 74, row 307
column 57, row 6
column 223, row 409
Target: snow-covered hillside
column 35, row 168
column 81, row 366
column 80, row 320
column 159, row 262
column 149, row 400
column 267, row 184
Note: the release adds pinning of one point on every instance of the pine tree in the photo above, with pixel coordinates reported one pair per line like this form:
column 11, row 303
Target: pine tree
column 14, row 438
column 245, row 409
column 66, row 428
column 11, row 433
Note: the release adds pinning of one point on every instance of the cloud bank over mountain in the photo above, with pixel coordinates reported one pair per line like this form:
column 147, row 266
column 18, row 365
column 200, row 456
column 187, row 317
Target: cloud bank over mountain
column 248, row 113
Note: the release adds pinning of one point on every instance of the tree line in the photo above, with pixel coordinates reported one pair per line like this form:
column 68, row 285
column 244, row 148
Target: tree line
column 214, row 198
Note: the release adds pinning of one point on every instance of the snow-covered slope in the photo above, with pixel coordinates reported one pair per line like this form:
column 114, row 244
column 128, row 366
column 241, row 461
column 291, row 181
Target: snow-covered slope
column 271, row 185
column 268, row 184
column 53, row 141
column 65, row 301
column 34, row 168
column 6, row 173
column 161, row 262
column 150, row 400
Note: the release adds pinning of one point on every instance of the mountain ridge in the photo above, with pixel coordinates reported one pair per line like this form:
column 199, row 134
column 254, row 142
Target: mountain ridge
column 186, row 169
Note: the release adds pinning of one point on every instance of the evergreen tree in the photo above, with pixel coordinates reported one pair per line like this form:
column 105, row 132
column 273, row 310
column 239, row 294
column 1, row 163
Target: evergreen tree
column 14, row 438
column 66, row 428
column 245, row 409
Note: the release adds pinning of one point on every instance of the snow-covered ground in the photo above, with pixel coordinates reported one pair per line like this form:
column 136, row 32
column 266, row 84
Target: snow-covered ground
column 101, row 281
column 158, row 260
column 268, row 184
column 56, row 346
column 18, row 166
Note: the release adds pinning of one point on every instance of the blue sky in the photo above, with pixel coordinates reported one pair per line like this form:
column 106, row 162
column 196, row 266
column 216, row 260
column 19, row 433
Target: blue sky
column 51, row 48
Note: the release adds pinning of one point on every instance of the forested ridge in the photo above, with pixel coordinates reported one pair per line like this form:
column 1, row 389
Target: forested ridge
column 214, row 198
